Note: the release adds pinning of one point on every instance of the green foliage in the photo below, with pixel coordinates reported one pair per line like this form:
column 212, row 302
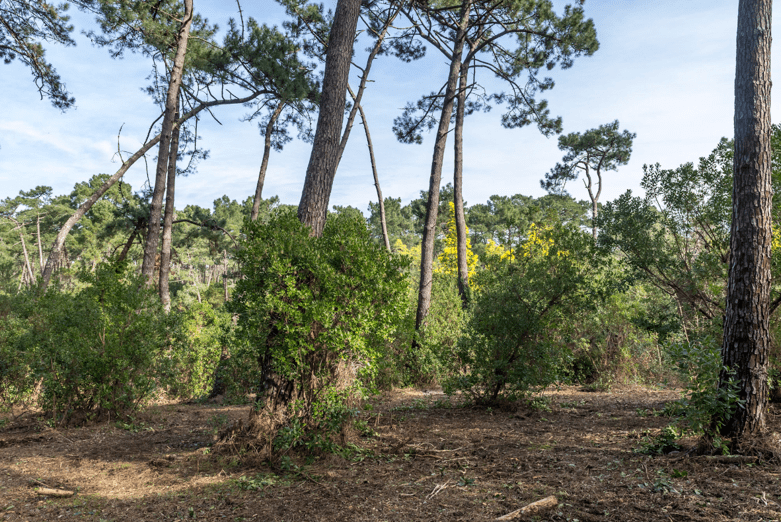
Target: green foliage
column 664, row 442
column 17, row 380
column 428, row 361
column 677, row 237
column 199, row 330
column 314, row 312
column 25, row 26
column 596, row 150
column 611, row 344
column 705, row 405
column 97, row 351
column 511, row 344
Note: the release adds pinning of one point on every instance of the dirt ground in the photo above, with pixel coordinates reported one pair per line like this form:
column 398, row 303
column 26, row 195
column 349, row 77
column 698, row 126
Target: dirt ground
column 427, row 459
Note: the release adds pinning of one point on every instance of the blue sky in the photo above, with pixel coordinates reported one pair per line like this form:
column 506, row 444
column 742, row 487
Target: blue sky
column 665, row 69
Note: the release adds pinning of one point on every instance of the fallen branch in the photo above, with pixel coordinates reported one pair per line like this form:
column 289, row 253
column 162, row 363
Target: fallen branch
column 730, row 459
column 531, row 509
column 54, row 492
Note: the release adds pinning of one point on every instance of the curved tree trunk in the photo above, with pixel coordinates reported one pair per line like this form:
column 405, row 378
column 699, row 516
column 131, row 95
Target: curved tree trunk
column 313, row 208
column 58, row 244
column 156, row 207
column 432, row 207
column 746, row 322
column 362, row 85
column 374, row 172
column 264, row 163
column 168, row 219
column 458, row 191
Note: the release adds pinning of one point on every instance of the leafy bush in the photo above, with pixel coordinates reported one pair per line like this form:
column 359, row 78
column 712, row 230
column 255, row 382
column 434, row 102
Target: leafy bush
column 511, row 344
column 429, row 361
column 704, row 404
column 200, row 331
column 97, row 352
column 313, row 312
column 17, row 375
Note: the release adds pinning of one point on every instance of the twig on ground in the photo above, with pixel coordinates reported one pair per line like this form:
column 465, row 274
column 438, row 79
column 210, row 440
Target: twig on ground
column 531, row 509
column 438, row 489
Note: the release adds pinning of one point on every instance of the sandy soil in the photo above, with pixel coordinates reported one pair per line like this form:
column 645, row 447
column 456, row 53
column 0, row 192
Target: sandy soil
column 428, row 459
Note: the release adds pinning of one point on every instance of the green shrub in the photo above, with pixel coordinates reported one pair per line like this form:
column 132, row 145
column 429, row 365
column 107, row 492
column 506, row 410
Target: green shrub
column 200, row 331
column 17, row 372
column 428, row 362
column 704, row 404
column 96, row 352
column 314, row 313
column 512, row 342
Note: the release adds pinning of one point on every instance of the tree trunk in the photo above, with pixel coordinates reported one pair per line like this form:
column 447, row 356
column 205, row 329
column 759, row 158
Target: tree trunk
column 429, row 229
column 169, row 117
column 40, row 245
column 58, row 245
column 264, row 163
column 128, row 245
column 746, row 333
column 458, row 193
column 374, row 172
column 26, row 258
column 168, row 219
column 313, row 208
column 225, row 274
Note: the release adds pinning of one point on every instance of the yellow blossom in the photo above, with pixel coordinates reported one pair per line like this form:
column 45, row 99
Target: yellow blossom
column 448, row 259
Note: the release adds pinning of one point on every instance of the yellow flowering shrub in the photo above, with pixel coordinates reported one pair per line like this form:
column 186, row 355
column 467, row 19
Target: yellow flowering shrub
column 448, row 259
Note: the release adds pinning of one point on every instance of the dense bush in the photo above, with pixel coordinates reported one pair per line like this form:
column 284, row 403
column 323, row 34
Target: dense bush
column 314, row 313
column 96, row 352
column 512, row 343
column 427, row 361
column 105, row 350
column 198, row 332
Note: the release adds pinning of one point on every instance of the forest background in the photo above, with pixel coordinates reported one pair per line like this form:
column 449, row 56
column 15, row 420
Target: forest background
column 550, row 304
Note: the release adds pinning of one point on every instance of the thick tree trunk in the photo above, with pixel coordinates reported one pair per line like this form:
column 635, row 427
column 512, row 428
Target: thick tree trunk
column 58, row 245
column 458, row 191
column 313, row 208
column 264, row 163
column 746, row 334
column 168, row 219
column 376, row 176
column 429, row 229
column 169, row 117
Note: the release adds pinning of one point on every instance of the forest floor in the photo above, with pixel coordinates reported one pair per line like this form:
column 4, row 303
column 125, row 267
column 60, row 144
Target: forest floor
column 428, row 459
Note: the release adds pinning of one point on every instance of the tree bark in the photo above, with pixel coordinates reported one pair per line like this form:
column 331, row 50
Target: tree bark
column 746, row 333
column 168, row 219
column 313, row 208
column 429, row 229
column 458, row 192
column 57, row 246
column 169, row 116
column 264, row 163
